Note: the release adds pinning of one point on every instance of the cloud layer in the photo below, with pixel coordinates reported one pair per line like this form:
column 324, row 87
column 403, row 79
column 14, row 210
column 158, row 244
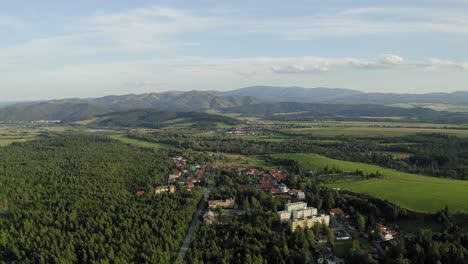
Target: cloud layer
column 385, row 61
column 148, row 47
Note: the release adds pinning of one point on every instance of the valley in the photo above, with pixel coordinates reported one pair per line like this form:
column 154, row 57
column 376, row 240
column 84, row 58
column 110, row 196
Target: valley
column 364, row 170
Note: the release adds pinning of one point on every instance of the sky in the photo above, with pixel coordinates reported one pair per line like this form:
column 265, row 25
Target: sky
column 59, row 49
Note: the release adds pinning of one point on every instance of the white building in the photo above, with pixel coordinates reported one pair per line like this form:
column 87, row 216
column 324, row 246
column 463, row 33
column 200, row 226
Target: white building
column 294, row 206
column 283, row 188
column 304, row 213
column 284, row 216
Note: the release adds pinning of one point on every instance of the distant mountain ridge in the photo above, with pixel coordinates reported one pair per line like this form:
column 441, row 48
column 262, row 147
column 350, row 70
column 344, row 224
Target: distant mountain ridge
column 345, row 96
column 152, row 118
column 84, row 108
column 79, row 109
column 293, row 94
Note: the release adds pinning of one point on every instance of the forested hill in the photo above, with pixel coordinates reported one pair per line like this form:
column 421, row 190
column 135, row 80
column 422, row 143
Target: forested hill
column 81, row 109
column 293, row 110
column 293, row 94
column 71, row 199
column 151, row 118
column 345, row 96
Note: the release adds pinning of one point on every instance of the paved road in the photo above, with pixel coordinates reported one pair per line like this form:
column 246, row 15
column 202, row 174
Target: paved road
column 193, row 225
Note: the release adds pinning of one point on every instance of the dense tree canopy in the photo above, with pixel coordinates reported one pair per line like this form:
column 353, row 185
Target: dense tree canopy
column 72, row 199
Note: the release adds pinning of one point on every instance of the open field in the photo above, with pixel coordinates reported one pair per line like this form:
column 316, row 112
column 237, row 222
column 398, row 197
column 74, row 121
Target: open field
column 9, row 135
column 7, row 141
column 347, row 124
column 434, row 106
column 141, row 143
column 415, row 192
column 242, row 160
column 374, row 131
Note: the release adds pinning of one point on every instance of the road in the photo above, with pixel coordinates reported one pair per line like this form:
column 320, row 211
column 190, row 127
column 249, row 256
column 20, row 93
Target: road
column 186, row 245
column 188, row 238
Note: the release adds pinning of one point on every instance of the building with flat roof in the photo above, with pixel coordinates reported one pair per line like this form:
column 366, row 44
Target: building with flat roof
column 294, row 206
column 165, row 188
column 228, row 203
column 304, row 213
column 310, row 222
column 284, row 216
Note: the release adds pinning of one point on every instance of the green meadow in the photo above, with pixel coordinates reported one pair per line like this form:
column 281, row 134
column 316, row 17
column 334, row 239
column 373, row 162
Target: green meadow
column 412, row 191
column 138, row 142
column 373, row 131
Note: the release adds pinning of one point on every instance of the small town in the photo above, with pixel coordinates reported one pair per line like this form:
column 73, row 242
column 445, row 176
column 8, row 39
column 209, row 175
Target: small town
column 333, row 226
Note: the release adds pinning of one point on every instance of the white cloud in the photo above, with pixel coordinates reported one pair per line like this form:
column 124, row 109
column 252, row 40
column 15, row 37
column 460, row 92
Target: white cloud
column 385, row 61
column 390, row 59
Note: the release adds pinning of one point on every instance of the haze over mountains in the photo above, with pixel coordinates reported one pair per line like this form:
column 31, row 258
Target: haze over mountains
column 77, row 109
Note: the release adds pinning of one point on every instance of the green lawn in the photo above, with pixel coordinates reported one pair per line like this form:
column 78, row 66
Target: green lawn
column 415, row 192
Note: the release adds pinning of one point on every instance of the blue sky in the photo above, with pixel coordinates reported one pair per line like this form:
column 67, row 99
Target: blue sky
column 56, row 49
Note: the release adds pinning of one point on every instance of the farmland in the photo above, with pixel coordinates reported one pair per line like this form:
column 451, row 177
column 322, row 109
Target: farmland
column 411, row 191
column 374, row 131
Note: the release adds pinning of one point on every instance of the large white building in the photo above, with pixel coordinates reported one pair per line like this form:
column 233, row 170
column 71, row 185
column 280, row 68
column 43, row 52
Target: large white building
column 310, row 221
column 301, row 215
column 304, row 213
column 284, row 216
column 294, row 206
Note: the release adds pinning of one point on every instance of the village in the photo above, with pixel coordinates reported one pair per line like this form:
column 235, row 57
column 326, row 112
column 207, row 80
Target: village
column 295, row 214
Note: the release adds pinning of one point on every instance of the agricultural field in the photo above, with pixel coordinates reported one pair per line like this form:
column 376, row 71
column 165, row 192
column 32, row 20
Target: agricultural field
column 415, row 192
column 374, row 131
column 9, row 135
column 434, row 106
column 380, row 124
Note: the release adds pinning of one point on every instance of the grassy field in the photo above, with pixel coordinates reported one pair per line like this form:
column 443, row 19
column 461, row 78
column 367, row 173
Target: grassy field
column 348, row 124
column 415, row 192
column 8, row 141
column 242, row 160
column 434, row 106
column 10, row 134
column 374, row 131
column 138, row 142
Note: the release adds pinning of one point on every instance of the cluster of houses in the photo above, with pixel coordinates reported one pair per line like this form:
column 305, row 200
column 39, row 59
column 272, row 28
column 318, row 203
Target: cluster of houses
column 186, row 175
column 270, row 181
column 299, row 215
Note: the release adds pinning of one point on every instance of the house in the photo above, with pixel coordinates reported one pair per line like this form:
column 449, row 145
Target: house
column 252, row 171
column 160, row 189
column 228, row 203
column 140, row 193
column 274, row 190
column 283, row 188
column 300, row 195
column 208, row 218
column 165, row 188
column 335, row 211
column 386, row 236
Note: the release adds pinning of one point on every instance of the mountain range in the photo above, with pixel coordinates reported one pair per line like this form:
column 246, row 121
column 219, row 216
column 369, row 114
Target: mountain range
column 79, row 109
